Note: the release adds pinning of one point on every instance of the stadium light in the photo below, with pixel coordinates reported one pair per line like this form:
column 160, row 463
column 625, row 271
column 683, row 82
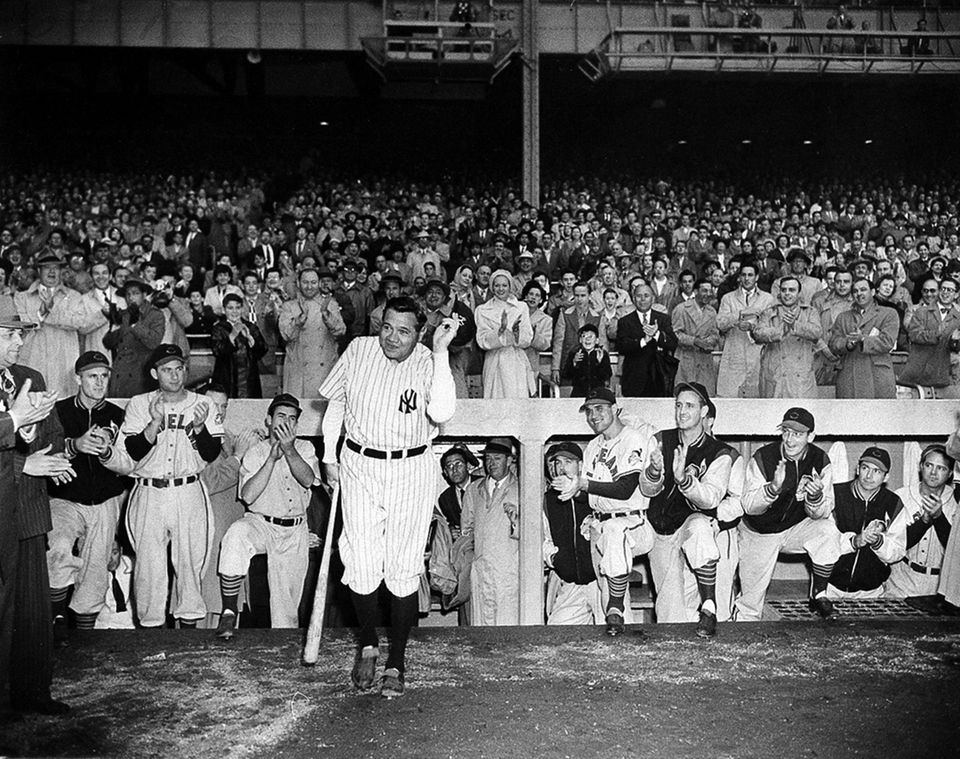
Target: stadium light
column 808, row 142
column 324, row 123
column 681, row 142
column 745, row 142
column 868, row 142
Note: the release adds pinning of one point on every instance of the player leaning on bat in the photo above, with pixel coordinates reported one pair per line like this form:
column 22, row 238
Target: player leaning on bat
column 389, row 393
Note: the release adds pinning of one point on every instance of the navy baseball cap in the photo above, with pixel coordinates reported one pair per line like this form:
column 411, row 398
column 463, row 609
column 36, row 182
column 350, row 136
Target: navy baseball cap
column 798, row 419
column 91, row 360
column 877, row 456
column 284, row 399
column 599, row 395
column 566, row 448
column 696, row 388
column 165, row 353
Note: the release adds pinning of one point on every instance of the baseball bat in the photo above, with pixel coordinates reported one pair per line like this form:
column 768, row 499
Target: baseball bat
column 311, row 649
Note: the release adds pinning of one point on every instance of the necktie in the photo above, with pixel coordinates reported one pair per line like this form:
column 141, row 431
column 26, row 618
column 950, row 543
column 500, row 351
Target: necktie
column 8, row 388
column 252, row 312
column 118, row 593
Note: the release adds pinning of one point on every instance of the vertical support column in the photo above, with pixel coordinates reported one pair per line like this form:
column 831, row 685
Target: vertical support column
column 530, row 46
column 531, row 531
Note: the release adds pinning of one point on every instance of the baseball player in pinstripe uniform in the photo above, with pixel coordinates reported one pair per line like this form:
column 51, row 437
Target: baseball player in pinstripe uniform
column 167, row 438
column 389, row 393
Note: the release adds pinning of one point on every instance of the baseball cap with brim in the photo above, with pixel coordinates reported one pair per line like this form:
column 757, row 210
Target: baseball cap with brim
column 499, row 445
column 325, row 274
column 798, row 419
column 10, row 317
column 91, row 360
column 694, row 387
column 567, row 448
column 876, row 456
column 165, row 353
column 284, row 400
column 599, row 395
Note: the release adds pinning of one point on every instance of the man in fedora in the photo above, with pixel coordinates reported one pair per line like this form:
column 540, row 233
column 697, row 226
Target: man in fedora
column 61, row 316
column 138, row 334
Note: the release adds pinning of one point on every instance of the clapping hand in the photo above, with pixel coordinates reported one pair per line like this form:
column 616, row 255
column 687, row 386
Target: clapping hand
column 932, row 508
column 200, row 413
column 244, row 441
column 655, row 462
column 29, row 408
column 679, row 463
column 286, row 435
column 92, row 442
column 779, row 475
column 42, row 463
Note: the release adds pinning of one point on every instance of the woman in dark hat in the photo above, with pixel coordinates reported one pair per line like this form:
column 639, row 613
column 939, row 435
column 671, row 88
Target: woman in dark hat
column 237, row 347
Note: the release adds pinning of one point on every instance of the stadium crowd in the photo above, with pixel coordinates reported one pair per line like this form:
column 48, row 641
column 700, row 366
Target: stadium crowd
column 698, row 289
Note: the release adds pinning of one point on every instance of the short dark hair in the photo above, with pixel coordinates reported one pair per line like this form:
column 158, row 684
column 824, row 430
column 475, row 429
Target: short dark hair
column 791, row 278
column 870, row 282
column 250, row 273
column 215, row 387
column 686, row 273
column 222, row 269
column 533, row 285
column 404, row 304
column 752, row 264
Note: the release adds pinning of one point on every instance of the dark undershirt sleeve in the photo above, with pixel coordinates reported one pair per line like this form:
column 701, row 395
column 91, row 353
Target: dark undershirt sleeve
column 138, row 446
column 619, row 490
column 208, row 446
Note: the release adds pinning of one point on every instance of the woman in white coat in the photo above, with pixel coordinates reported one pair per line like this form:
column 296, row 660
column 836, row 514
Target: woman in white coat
column 504, row 332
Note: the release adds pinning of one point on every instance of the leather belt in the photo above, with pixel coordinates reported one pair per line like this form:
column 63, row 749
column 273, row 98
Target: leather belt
column 174, row 483
column 924, row 570
column 603, row 516
column 373, row 453
column 283, row 521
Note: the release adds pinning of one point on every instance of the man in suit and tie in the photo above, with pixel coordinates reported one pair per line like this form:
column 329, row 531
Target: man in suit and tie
column 198, row 251
column 27, row 431
column 552, row 260
column 302, row 246
column 641, row 336
column 265, row 249
column 262, row 307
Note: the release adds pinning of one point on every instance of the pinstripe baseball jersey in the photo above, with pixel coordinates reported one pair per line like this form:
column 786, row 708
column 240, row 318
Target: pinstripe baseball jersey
column 174, row 454
column 386, row 401
column 608, row 460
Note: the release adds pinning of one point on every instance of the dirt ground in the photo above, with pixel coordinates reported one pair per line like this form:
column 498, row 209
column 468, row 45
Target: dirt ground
column 860, row 688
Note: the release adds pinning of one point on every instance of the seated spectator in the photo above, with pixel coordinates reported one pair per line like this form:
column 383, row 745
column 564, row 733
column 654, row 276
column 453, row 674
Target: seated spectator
column 695, row 325
column 504, row 332
column 864, row 510
column 862, row 339
column 490, row 522
column 789, row 333
column 787, row 503
column 929, row 512
column 919, row 42
column 589, row 366
column 934, row 331
column 237, row 346
column 573, row 595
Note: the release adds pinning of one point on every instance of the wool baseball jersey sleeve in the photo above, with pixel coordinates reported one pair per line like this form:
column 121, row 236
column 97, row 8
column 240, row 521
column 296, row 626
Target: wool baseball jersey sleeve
column 283, row 496
column 611, row 460
column 387, row 404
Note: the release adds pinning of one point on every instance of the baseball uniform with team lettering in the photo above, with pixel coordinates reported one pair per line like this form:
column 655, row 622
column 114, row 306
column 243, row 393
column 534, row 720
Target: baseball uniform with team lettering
column 168, row 505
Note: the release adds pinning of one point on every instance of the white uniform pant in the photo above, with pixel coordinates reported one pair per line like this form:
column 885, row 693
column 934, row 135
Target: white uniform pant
column 619, row 541
column 387, row 506
column 905, row 582
column 572, row 604
column 728, row 543
column 288, row 555
column 95, row 526
column 818, row 538
column 672, row 560
column 181, row 518
column 836, row 594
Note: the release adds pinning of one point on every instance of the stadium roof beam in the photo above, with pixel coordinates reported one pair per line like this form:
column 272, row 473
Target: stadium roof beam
column 637, row 50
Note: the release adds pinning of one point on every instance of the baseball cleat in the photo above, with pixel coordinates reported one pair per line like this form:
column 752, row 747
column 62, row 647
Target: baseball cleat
column 61, row 635
column 707, row 626
column 391, row 684
column 227, row 626
column 822, row 606
column 614, row 624
column 364, row 674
